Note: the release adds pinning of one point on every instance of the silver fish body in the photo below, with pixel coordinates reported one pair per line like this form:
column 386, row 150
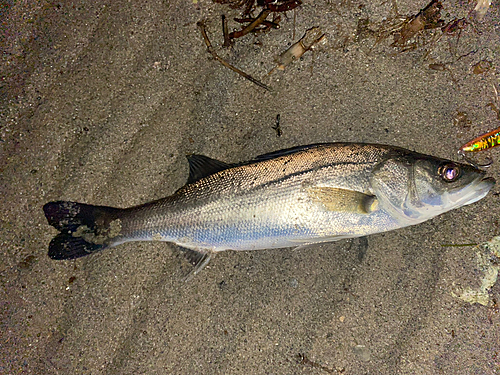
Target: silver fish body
column 304, row 195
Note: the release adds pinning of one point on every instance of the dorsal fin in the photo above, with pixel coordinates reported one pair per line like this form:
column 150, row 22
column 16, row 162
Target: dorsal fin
column 202, row 166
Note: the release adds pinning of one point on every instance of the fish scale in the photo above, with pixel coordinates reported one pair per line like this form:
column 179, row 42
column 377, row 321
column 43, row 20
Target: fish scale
column 232, row 222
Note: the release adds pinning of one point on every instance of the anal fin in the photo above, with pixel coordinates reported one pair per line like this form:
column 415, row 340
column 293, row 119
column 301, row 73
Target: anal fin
column 197, row 259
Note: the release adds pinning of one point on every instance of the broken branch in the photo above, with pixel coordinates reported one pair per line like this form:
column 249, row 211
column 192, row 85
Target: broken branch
column 210, row 49
column 261, row 18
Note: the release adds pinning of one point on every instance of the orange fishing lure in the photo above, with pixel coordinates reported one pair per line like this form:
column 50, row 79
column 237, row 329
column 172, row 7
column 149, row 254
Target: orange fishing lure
column 483, row 142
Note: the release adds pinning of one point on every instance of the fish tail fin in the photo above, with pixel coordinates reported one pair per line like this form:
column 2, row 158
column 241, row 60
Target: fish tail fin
column 85, row 229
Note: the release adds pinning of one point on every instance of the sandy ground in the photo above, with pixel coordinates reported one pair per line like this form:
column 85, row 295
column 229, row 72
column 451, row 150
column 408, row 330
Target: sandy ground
column 101, row 101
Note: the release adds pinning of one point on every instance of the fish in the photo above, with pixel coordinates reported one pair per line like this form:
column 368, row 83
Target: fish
column 294, row 197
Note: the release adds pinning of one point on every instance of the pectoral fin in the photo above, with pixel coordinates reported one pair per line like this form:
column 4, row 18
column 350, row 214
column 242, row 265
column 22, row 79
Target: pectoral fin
column 343, row 200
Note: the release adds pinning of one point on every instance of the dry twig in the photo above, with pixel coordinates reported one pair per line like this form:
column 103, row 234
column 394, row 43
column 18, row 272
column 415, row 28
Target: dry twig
column 211, row 50
column 256, row 22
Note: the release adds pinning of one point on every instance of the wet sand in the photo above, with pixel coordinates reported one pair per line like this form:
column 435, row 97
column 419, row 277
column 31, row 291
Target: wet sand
column 100, row 104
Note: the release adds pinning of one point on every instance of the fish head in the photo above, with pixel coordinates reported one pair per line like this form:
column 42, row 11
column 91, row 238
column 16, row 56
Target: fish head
column 417, row 187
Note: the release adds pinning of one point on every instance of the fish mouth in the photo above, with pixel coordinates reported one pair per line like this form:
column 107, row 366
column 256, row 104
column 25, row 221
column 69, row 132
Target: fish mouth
column 476, row 191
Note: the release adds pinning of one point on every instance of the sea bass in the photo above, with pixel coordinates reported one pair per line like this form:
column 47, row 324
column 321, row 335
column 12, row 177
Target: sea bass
column 303, row 195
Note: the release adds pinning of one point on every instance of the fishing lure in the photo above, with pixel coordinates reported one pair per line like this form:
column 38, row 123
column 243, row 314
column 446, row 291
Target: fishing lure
column 483, row 142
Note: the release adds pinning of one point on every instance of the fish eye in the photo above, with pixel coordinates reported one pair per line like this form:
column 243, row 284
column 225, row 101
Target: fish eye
column 449, row 172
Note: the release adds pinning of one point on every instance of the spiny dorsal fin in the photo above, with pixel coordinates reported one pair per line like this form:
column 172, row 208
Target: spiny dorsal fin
column 288, row 151
column 202, row 166
column 343, row 200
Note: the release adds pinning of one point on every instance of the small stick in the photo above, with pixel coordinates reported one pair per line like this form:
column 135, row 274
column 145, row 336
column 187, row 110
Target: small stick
column 269, row 24
column 494, row 108
column 458, row 244
column 442, row 68
column 294, row 19
column 277, row 127
column 210, row 49
column 496, row 92
column 301, row 359
column 261, row 18
column 227, row 40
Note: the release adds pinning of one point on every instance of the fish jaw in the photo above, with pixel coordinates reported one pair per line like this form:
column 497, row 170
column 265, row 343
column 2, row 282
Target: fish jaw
column 472, row 194
column 423, row 191
column 447, row 202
